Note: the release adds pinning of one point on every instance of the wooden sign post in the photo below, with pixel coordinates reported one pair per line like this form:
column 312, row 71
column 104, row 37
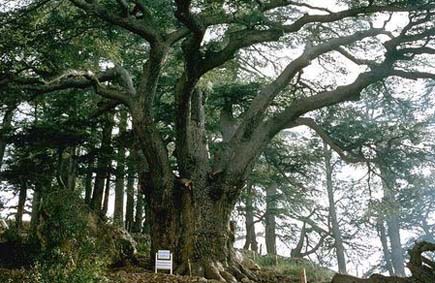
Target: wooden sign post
column 303, row 276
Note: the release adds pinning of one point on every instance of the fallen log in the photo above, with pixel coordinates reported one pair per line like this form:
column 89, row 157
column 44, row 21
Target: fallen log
column 422, row 269
column 375, row 278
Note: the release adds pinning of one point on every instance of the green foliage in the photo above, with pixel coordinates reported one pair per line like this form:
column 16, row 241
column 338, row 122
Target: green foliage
column 70, row 251
column 62, row 269
column 64, row 218
column 12, row 235
column 143, row 243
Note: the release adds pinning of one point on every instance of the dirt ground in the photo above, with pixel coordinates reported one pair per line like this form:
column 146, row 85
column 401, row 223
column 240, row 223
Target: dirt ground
column 139, row 275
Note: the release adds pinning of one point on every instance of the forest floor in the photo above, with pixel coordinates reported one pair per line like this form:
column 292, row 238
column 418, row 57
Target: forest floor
column 134, row 274
column 144, row 276
column 15, row 269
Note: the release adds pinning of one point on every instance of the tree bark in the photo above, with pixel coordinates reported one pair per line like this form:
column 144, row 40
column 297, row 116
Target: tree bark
column 118, row 214
column 251, row 237
column 102, row 164
column 271, row 199
column 336, row 233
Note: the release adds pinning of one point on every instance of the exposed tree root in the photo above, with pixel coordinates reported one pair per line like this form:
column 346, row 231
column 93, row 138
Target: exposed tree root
column 232, row 272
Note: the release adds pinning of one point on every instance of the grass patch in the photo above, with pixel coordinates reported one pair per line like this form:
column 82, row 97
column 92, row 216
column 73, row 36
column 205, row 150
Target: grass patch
column 293, row 267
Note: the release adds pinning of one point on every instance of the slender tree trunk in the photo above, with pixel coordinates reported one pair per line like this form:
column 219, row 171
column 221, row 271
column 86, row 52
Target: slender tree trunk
column 129, row 209
column 67, row 169
column 428, row 235
column 271, row 198
column 118, row 214
column 384, row 241
column 251, row 238
column 6, row 124
column 393, row 225
column 397, row 257
column 88, row 182
column 139, row 216
column 34, row 220
column 22, row 197
column 140, row 201
column 102, row 164
column 297, row 251
column 106, row 195
column 336, row 233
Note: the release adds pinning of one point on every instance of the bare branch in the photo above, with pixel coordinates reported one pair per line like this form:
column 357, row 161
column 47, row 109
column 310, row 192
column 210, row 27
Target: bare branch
column 354, row 59
column 298, row 24
column 413, row 75
column 70, row 79
column 255, row 113
column 237, row 41
column 137, row 26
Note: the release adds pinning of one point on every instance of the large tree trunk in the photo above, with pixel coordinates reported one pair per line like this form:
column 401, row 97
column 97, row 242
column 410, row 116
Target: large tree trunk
column 102, row 164
column 118, row 214
column 189, row 214
column 194, row 224
column 251, row 237
column 271, row 199
column 336, row 233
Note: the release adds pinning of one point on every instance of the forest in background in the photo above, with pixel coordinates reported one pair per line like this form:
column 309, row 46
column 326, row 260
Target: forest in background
column 292, row 129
